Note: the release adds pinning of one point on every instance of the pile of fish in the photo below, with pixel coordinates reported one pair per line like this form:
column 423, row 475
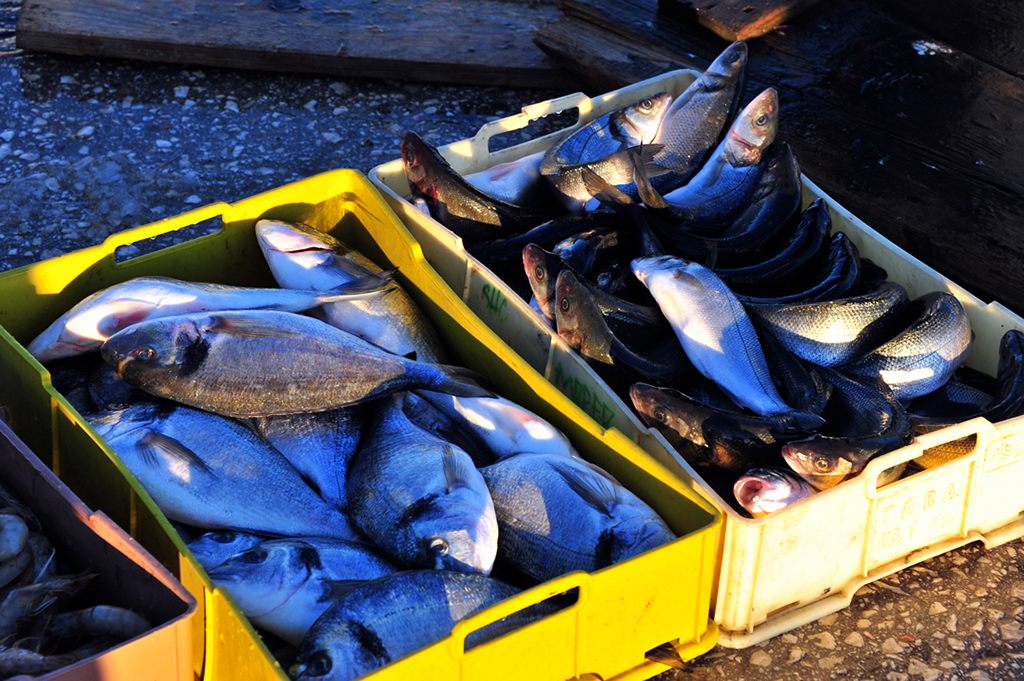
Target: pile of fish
column 350, row 490
column 665, row 242
column 45, row 620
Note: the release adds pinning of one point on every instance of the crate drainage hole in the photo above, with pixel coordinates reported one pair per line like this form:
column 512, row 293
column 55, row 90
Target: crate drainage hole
column 545, row 125
column 522, row 618
column 156, row 243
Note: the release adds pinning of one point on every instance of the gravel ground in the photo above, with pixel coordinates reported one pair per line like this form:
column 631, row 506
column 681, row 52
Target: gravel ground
column 91, row 147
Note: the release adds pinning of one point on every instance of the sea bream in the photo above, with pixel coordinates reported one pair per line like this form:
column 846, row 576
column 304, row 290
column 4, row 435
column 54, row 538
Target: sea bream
column 301, row 257
column 420, row 498
column 212, row 472
column 389, row 618
column 259, row 363
column 95, row 318
column 718, row 336
column 284, row 585
column 558, row 514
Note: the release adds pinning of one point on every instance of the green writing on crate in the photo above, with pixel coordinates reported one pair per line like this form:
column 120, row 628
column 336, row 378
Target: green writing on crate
column 582, row 395
column 496, row 302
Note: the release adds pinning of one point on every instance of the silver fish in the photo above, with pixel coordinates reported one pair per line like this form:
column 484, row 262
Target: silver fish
column 501, row 427
column 263, row 363
column 384, row 620
column 284, row 585
column 96, row 318
column 211, row 472
column 924, row 355
column 716, row 333
column 213, row 548
column 517, row 182
column 419, row 498
column 319, row 444
column 833, row 332
column 557, row 514
column 301, row 257
column 764, row 490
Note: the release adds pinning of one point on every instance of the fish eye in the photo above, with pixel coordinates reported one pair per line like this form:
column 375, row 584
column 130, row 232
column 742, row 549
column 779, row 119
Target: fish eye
column 254, row 557
column 143, row 354
column 659, row 415
column 320, row 664
column 733, row 58
column 439, row 546
column 410, row 155
column 539, row 272
column 223, row 537
column 564, row 304
column 761, row 120
column 822, row 464
column 646, row 105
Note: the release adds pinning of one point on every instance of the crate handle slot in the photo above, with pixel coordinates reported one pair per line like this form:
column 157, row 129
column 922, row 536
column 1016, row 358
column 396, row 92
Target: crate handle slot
column 154, row 229
column 574, row 580
column 478, row 146
column 978, row 427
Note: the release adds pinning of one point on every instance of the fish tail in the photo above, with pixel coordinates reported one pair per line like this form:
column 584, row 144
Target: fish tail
column 461, row 382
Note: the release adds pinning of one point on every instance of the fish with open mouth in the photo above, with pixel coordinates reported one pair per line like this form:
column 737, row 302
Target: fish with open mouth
column 765, row 490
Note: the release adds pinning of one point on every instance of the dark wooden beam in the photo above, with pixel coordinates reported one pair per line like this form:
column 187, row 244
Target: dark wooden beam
column 487, row 42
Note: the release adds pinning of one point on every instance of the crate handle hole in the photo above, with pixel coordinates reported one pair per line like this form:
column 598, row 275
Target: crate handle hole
column 538, row 127
column 143, row 247
column 522, row 618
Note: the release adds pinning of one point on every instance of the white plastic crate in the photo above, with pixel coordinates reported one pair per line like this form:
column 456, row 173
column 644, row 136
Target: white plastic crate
column 843, row 538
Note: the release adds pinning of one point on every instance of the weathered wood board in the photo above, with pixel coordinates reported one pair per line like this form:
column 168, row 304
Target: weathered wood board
column 923, row 145
column 737, row 19
column 485, row 42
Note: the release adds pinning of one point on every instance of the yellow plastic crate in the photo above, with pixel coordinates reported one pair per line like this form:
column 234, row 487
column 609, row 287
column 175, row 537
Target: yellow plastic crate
column 662, row 596
column 843, row 538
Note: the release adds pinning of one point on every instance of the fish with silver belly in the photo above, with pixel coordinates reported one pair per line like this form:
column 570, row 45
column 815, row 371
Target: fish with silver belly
column 284, row 585
column 213, row 548
column 865, row 420
column 925, row 354
column 556, row 515
column 698, row 117
column 389, row 618
column 455, row 203
column 765, row 490
column 726, row 184
column 319, row 444
column 517, row 182
column 500, row 427
column 247, row 364
column 579, row 321
column 302, row 257
column 198, row 467
column 95, row 318
column 419, row 498
column 717, row 335
column 708, row 437
column 833, row 332
column 629, row 126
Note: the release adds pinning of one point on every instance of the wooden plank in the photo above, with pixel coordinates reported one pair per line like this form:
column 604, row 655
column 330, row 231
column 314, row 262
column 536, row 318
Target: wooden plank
column 925, row 148
column 737, row 19
column 989, row 30
column 485, row 42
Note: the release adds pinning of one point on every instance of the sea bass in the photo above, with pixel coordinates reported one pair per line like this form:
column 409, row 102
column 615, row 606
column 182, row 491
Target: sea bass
column 419, row 498
column 385, row 620
column 717, row 335
column 284, row 585
column 201, row 468
column 96, row 318
column 248, row 364
column 765, row 490
column 556, row 515
column 302, row 257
